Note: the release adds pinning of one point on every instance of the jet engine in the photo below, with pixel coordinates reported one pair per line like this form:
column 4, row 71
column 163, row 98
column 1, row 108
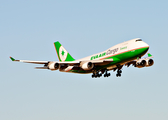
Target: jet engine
column 140, row 63
column 149, row 62
column 53, row 65
column 87, row 65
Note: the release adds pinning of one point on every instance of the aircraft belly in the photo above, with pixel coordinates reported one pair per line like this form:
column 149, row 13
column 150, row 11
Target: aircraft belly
column 77, row 70
column 111, row 67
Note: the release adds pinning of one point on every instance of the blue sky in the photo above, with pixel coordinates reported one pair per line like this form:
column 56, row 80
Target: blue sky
column 28, row 30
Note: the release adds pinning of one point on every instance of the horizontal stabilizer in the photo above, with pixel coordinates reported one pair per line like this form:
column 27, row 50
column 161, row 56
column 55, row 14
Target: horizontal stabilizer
column 149, row 55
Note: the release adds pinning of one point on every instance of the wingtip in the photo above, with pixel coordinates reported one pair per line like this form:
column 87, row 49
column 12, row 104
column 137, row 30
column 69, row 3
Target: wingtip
column 12, row 58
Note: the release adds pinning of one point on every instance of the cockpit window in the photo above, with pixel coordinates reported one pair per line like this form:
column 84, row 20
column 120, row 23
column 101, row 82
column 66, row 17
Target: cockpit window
column 138, row 40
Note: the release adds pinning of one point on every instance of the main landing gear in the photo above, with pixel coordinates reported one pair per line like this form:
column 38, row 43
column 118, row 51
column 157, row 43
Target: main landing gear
column 106, row 74
column 97, row 74
column 119, row 73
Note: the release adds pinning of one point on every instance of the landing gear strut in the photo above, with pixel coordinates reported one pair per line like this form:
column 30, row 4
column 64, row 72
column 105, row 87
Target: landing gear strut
column 119, row 73
column 106, row 74
column 96, row 74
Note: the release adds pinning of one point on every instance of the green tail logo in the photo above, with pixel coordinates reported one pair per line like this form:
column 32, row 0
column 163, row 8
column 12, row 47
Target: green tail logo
column 62, row 53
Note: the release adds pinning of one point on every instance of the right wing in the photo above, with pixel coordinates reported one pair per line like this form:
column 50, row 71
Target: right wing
column 138, row 60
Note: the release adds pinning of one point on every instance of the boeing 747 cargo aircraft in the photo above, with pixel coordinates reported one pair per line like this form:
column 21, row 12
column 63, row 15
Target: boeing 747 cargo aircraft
column 126, row 53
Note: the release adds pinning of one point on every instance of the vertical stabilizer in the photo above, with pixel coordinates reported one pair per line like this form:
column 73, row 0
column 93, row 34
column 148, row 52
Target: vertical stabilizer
column 63, row 54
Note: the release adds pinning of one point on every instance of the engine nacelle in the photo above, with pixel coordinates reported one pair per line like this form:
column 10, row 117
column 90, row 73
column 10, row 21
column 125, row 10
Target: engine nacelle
column 53, row 66
column 87, row 65
column 149, row 62
column 140, row 63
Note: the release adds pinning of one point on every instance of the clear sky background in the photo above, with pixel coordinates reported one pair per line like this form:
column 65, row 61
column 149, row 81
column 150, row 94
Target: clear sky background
column 28, row 30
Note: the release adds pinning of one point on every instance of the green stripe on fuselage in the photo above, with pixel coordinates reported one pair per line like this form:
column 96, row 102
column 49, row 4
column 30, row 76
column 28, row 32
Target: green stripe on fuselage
column 120, row 58
column 131, row 54
column 126, row 56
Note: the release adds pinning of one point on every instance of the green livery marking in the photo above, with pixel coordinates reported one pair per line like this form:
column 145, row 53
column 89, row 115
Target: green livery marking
column 119, row 57
column 77, row 71
column 122, row 48
column 149, row 55
column 63, row 55
column 12, row 58
column 98, row 56
column 113, row 51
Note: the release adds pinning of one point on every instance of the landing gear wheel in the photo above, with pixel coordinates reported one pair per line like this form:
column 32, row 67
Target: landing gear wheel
column 96, row 74
column 107, row 74
column 100, row 75
column 119, row 75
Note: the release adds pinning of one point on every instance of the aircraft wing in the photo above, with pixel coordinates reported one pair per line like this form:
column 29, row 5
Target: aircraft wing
column 67, row 62
column 30, row 61
column 138, row 59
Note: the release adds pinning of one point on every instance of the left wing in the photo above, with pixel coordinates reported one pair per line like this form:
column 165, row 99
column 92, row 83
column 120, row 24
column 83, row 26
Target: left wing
column 30, row 61
column 49, row 64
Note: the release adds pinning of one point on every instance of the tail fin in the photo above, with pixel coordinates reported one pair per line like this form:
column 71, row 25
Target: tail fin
column 62, row 53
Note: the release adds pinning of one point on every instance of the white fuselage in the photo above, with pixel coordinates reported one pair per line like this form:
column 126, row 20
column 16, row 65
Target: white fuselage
column 117, row 49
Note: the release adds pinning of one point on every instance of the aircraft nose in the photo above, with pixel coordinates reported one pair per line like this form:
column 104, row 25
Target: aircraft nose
column 146, row 47
column 145, row 44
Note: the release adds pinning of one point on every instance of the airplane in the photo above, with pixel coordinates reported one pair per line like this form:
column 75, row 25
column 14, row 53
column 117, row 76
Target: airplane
column 123, row 54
